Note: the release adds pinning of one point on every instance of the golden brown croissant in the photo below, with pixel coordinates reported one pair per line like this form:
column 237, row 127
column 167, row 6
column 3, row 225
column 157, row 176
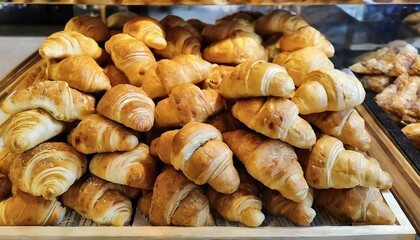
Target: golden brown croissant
column 239, row 47
column 224, row 122
column 279, row 21
column 357, row 204
column 171, row 21
column 198, row 151
column 128, row 105
column 135, row 168
column 56, row 97
column 272, row 162
column 117, row 20
column 300, row 213
column 328, row 90
column 376, row 83
column 23, row 209
column 223, row 28
column 146, row 29
column 218, row 74
column 89, row 26
column 301, row 62
column 346, row 125
column 64, row 44
column 143, row 204
column 275, row 118
column 5, row 186
column 178, row 201
column 48, row 169
column 27, row 129
column 412, row 131
column 180, row 41
column 100, row 201
column 242, row 206
column 257, row 79
column 81, row 73
column 6, row 160
column 187, row 103
column 97, row 134
column 170, row 73
column 131, row 56
column 305, row 37
column 329, row 165
column 115, row 75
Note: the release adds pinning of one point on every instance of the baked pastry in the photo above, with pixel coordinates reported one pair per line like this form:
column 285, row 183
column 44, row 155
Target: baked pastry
column 223, row 28
column 272, row 162
column 89, row 26
column 5, row 186
column 412, row 18
column 278, row 21
column 23, row 209
column 275, row 118
column 172, row 72
column 300, row 213
column 6, row 160
column 131, row 56
column 128, row 105
column 198, row 151
column 56, row 97
column 27, row 129
column 100, row 201
column 412, row 131
column 328, row 90
column 47, row 170
column 115, row 75
column 146, row 29
column 80, row 72
column 178, row 201
column 197, row 24
column 346, row 125
column 357, row 204
column 329, row 165
column 180, row 41
column 135, row 168
column 117, row 20
column 225, row 122
column 218, row 74
column 97, row 134
column 376, row 83
column 415, row 68
column 303, row 61
column 187, row 103
column 144, row 202
column 305, row 37
column 242, row 206
column 171, row 21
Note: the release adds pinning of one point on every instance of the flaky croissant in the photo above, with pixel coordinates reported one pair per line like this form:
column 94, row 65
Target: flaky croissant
column 187, row 103
column 80, row 72
column 272, row 162
column 23, row 209
column 328, row 90
column 100, row 201
column 257, row 79
column 276, row 118
column 198, row 151
column 27, row 129
column 89, row 26
column 278, row 21
column 223, row 28
column 115, row 75
column 56, row 97
column 146, row 29
column 128, row 105
column 47, row 170
column 178, row 201
column 97, row 134
column 218, row 74
column 5, row 186
column 180, row 41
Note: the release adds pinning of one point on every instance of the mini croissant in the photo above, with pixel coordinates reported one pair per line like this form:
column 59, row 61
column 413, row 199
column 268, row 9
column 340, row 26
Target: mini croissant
column 146, row 29
column 89, row 26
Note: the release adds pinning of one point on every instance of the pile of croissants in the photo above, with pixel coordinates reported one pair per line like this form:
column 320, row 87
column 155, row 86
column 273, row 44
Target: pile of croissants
column 183, row 120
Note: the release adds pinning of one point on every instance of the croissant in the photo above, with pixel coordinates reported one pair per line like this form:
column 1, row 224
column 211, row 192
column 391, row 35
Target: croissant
column 329, row 165
column 415, row 67
column 27, row 129
column 376, row 83
column 56, row 97
column 198, row 151
column 180, row 41
column 136, row 168
column 64, row 44
column 171, row 21
column 117, row 20
column 275, row 118
column 239, row 47
column 300, row 213
column 5, row 186
column 197, row 24
column 89, row 26
column 218, row 74
column 97, row 134
column 48, row 169
column 328, row 90
column 170, row 73
column 412, row 132
column 223, row 28
column 305, row 37
column 6, row 160
column 187, row 103
column 178, row 201
column 81, row 73
column 23, row 209
column 278, row 21
column 301, row 62
column 242, row 205
column 144, row 202
column 146, row 29
column 346, row 125
column 272, row 162
column 257, row 79
column 128, row 105
column 115, row 75
column 357, row 204
column 100, row 201
column 131, row 56
column 224, row 122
